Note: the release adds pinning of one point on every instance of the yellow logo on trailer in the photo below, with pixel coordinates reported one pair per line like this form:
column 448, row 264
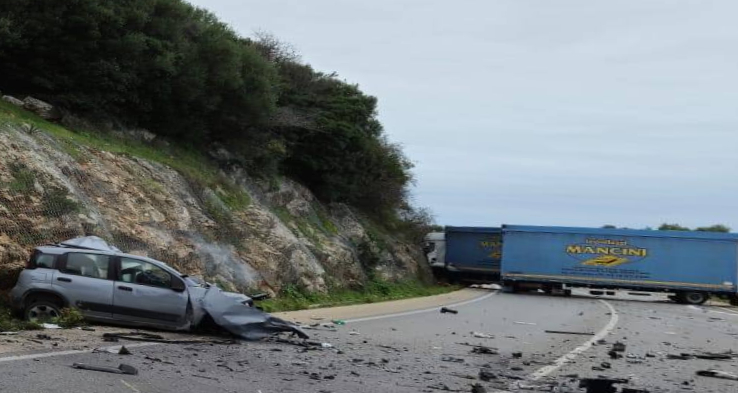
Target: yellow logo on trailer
column 606, row 252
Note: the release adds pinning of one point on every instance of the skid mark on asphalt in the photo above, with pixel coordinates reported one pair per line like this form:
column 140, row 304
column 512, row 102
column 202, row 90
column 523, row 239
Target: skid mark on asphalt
column 16, row 358
column 558, row 363
column 406, row 313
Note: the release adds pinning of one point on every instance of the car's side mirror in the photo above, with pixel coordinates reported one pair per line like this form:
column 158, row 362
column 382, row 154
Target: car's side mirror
column 178, row 285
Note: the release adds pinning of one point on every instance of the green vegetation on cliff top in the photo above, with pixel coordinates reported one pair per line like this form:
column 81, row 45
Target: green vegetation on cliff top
column 178, row 71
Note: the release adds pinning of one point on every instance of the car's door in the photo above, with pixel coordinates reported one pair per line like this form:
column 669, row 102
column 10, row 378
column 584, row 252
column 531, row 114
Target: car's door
column 85, row 280
column 147, row 293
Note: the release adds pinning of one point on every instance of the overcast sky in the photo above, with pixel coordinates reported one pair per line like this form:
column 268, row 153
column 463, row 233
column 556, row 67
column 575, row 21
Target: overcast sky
column 566, row 112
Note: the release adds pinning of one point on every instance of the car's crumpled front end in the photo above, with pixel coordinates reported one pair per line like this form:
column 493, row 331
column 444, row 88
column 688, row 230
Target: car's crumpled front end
column 234, row 312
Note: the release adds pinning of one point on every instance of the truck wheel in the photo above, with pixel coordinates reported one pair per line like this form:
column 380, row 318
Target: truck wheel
column 42, row 311
column 694, row 298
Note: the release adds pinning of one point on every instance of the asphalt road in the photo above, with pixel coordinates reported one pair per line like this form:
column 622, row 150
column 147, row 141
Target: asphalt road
column 428, row 352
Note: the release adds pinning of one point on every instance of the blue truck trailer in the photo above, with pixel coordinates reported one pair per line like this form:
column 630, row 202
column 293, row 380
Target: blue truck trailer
column 466, row 254
column 690, row 265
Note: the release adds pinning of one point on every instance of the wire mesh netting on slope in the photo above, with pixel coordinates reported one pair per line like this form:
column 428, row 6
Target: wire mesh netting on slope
column 52, row 189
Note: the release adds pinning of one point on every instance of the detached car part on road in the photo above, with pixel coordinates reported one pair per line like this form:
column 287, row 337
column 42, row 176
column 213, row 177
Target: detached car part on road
column 107, row 285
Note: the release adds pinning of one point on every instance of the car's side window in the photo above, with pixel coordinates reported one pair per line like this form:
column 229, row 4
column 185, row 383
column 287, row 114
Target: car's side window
column 88, row 265
column 135, row 271
column 45, row 260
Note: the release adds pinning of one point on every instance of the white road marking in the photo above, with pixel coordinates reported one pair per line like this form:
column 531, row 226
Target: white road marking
column 402, row 314
column 725, row 311
column 128, row 385
column 558, row 363
column 16, row 358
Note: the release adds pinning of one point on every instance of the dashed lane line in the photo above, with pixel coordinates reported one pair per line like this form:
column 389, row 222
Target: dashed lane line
column 558, row 363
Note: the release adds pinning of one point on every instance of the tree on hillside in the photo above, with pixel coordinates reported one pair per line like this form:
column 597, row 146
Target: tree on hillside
column 714, row 228
column 672, row 227
column 677, row 227
column 160, row 64
column 178, row 71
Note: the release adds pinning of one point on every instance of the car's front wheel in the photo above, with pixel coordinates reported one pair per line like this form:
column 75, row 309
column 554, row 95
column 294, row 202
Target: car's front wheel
column 42, row 311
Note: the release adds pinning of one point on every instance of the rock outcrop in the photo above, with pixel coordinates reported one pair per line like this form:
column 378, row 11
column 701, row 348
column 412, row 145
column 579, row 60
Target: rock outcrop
column 52, row 189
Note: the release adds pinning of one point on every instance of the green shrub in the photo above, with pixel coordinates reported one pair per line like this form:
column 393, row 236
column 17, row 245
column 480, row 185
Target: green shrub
column 69, row 318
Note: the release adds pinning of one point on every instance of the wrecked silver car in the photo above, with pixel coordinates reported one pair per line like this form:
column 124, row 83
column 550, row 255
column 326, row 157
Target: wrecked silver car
column 107, row 285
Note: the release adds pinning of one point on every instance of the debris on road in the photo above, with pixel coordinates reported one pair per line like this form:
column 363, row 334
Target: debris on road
column 715, row 356
column 482, row 335
column 149, row 337
column 525, row 323
column 50, row 326
column 618, row 347
column 486, row 375
column 122, row 369
column 445, row 310
column 566, row 332
column 478, row 388
column 681, row 356
column 452, row 359
column 718, row 374
column 482, row 350
column 600, row 385
column 123, row 350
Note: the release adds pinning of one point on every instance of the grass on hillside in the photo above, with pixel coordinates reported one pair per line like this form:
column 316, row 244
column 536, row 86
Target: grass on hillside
column 187, row 161
column 292, row 298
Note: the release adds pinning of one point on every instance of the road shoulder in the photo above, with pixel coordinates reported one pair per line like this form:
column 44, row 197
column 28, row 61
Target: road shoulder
column 382, row 308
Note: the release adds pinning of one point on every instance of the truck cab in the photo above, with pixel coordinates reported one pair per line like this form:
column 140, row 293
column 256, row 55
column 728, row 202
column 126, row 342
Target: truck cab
column 434, row 249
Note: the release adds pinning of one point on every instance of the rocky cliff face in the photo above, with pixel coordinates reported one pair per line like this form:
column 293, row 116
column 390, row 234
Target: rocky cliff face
column 52, row 189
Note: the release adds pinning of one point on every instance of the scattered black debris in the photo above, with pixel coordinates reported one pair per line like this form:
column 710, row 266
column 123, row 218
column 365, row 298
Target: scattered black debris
column 618, row 347
column 149, row 337
column 718, row 374
column 205, row 376
column 123, row 351
column 715, row 356
column 482, row 350
column 478, row 388
column 486, row 375
column 43, row 337
column 565, row 332
column 517, row 355
column 463, row 376
column 87, row 328
column 606, row 365
column 600, row 385
column 445, row 310
column 681, row 356
column 452, row 359
column 122, row 369
column 443, row 387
